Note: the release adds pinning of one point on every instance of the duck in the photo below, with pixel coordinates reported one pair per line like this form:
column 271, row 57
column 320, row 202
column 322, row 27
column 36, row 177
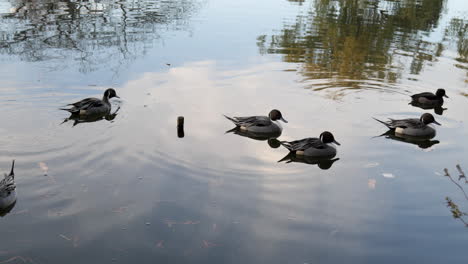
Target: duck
column 313, row 147
column 8, row 191
column 413, row 126
column 428, row 99
column 93, row 106
column 266, row 125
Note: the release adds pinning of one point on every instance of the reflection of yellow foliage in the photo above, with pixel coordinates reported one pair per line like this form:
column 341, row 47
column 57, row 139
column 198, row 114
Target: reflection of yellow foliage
column 353, row 42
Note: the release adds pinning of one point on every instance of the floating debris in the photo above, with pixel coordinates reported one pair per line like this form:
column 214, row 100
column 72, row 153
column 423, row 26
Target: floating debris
column 160, row 244
column 388, row 175
column 43, row 167
column 65, row 237
column 207, row 244
column 371, row 183
column 371, row 165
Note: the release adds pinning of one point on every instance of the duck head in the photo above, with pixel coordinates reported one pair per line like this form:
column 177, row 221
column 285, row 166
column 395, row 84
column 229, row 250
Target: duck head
column 428, row 119
column 327, row 137
column 441, row 93
column 110, row 93
column 276, row 115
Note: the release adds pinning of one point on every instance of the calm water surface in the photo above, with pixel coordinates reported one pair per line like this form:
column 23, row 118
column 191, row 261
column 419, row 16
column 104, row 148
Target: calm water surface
column 128, row 189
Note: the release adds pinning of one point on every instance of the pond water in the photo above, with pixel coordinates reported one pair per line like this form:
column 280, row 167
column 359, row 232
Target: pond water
column 126, row 188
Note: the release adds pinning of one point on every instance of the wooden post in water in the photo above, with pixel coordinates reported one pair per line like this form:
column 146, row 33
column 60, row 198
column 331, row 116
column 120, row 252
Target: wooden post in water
column 180, row 127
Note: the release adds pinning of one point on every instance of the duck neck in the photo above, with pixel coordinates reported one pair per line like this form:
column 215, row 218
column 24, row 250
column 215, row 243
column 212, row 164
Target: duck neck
column 105, row 99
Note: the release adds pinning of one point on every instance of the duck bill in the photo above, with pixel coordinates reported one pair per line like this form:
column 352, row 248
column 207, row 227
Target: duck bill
column 336, row 142
column 437, row 123
column 446, row 96
column 117, row 96
column 284, row 120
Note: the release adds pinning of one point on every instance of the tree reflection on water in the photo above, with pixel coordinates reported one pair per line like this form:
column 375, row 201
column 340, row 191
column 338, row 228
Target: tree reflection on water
column 90, row 33
column 351, row 42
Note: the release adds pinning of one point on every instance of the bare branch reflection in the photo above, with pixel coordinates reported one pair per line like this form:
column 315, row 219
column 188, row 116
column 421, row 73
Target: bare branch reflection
column 457, row 213
column 89, row 33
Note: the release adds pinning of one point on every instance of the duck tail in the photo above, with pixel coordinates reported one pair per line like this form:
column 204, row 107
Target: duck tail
column 12, row 172
column 232, row 120
column 380, row 121
column 287, row 145
column 232, row 130
column 66, row 109
column 287, row 158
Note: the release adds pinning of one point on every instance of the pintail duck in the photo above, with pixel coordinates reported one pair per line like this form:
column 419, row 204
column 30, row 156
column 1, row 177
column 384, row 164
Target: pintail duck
column 412, row 126
column 429, row 99
column 313, row 147
column 8, row 191
column 93, row 106
column 260, row 124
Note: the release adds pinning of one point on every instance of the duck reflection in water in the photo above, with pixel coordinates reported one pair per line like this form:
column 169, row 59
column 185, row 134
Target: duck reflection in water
column 78, row 119
column 422, row 142
column 271, row 138
column 322, row 163
column 8, row 192
column 438, row 109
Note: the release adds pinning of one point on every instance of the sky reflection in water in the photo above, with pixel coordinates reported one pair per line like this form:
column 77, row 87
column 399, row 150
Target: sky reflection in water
column 131, row 189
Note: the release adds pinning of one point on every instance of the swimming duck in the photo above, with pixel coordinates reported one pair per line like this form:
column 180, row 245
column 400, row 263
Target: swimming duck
column 429, row 99
column 8, row 191
column 313, row 147
column 93, row 106
column 412, row 126
column 260, row 124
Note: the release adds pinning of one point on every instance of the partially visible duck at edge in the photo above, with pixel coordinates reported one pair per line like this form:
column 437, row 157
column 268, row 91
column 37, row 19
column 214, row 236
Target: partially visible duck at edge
column 429, row 99
column 93, row 106
column 412, row 126
column 260, row 124
column 313, row 147
column 8, row 191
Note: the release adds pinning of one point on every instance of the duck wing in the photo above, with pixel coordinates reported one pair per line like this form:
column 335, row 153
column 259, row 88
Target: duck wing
column 84, row 104
column 303, row 144
column 406, row 123
column 249, row 121
column 427, row 95
column 403, row 123
column 7, row 185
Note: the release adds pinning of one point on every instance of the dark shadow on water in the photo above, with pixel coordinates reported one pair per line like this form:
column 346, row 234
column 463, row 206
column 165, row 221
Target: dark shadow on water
column 323, row 163
column 271, row 138
column 422, row 142
column 438, row 109
column 78, row 119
